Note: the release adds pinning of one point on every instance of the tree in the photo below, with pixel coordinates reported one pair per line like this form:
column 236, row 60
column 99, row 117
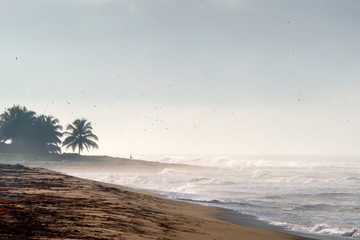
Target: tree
column 16, row 126
column 80, row 135
column 29, row 133
column 48, row 134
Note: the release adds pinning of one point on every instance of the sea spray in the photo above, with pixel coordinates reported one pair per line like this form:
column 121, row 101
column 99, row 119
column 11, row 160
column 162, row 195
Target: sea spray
column 317, row 195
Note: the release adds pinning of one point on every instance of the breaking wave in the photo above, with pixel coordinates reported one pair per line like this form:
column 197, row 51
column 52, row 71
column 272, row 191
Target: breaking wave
column 311, row 195
column 321, row 228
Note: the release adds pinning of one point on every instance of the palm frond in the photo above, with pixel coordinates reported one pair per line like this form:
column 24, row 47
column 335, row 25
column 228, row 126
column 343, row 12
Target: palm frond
column 79, row 135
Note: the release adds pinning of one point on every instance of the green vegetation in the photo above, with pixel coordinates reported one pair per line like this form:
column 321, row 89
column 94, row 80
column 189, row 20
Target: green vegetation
column 80, row 135
column 23, row 131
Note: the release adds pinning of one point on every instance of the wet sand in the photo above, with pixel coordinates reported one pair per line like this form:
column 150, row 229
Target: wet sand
column 37, row 203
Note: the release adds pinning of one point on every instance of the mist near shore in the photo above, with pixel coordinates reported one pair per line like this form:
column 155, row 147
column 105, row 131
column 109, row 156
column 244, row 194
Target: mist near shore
column 298, row 193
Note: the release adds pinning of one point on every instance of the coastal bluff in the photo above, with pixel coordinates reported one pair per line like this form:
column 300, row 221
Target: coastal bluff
column 37, row 203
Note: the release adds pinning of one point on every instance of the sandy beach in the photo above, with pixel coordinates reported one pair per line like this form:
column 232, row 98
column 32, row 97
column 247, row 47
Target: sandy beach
column 36, row 203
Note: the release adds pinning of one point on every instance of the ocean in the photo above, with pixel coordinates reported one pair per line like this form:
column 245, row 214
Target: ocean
column 317, row 195
column 312, row 195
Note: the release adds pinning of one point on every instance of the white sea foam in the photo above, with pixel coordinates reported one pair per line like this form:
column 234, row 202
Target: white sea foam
column 307, row 194
column 321, row 228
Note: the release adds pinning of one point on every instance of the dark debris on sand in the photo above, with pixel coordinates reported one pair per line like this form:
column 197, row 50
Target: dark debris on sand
column 40, row 204
column 37, row 203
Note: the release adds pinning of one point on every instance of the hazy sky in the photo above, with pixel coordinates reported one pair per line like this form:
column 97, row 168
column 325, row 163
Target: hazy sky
column 190, row 76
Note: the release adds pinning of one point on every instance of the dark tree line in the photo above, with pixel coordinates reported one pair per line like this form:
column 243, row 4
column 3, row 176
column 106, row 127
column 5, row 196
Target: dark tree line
column 22, row 130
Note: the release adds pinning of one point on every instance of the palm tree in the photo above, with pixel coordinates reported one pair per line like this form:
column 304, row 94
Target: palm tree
column 16, row 126
column 47, row 134
column 80, row 135
column 27, row 132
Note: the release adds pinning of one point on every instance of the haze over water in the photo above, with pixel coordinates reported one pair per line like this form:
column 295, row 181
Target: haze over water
column 207, row 77
column 318, row 195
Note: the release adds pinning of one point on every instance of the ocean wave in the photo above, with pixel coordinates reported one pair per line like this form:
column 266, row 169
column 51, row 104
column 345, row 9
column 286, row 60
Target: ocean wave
column 302, row 192
column 222, row 202
column 241, row 162
column 241, row 205
column 171, row 171
column 321, row 228
column 313, row 207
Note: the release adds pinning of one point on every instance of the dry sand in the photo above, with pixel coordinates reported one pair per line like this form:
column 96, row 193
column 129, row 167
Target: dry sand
column 41, row 204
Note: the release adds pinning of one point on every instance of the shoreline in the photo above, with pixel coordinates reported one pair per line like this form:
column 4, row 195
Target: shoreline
column 38, row 203
column 233, row 217
column 251, row 221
